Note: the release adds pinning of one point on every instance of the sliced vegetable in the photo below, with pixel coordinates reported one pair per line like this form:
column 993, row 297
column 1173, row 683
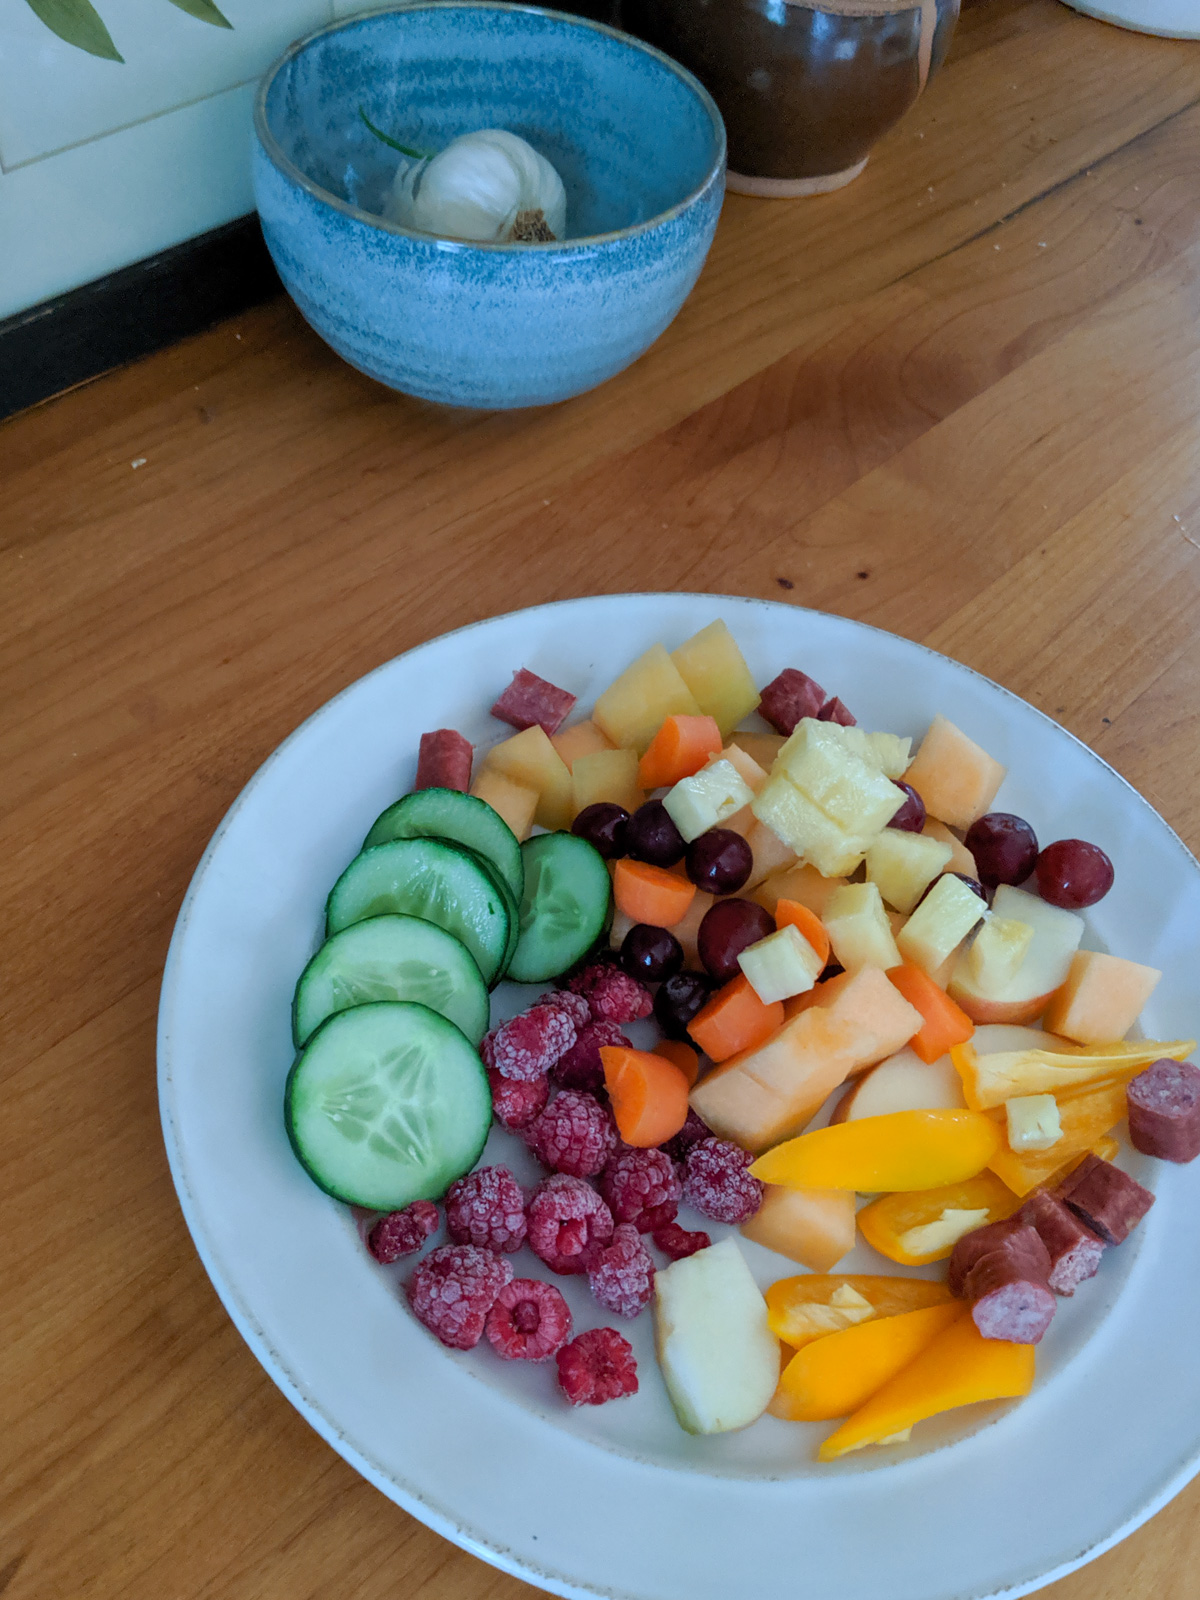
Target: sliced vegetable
column 807, row 1308
column 651, row 894
column 834, row 1376
column 945, row 1025
column 680, row 748
column 649, row 1095
column 905, row 1227
column 905, row 1150
column 794, row 914
column 990, row 1080
column 565, row 907
column 681, row 1055
column 459, row 818
column 1085, row 1119
column 734, row 1019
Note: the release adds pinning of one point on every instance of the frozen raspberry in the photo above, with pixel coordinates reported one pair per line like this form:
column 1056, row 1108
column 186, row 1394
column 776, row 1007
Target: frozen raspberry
column 528, row 1046
column 573, row 1004
column 621, row 1276
column 581, row 1067
column 453, row 1290
column 403, row 1232
column 691, row 1133
column 716, row 1182
column 515, row 1104
column 612, row 994
column 487, row 1208
column 597, row 1366
column 640, row 1186
column 574, row 1134
column 677, row 1242
column 529, row 1321
column 568, row 1223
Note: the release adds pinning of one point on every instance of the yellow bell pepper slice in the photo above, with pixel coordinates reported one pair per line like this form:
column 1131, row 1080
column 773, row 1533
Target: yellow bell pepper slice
column 834, row 1376
column 957, row 1368
column 1085, row 1117
column 802, row 1309
column 991, row 1080
column 902, row 1150
column 924, row 1225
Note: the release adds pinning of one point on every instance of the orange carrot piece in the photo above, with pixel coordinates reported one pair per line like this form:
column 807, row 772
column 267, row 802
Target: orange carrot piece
column 651, row 894
column 678, row 750
column 649, row 1095
column 680, row 1055
column 946, row 1024
column 735, row 1019
column 806, row 923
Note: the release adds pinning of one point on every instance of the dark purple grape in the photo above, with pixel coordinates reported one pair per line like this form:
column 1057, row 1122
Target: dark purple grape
column 603, row 825
column 1005, row 848
column 728, row 928
column 651, row 954
column 972, row 883
column 911, row 816
column 1072, row 873
column 719, row 861
column 678, row 1001
column 651, row 836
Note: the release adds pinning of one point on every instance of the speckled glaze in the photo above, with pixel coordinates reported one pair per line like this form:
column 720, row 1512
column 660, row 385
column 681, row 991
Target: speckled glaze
column 640, row 147
column 805, row 90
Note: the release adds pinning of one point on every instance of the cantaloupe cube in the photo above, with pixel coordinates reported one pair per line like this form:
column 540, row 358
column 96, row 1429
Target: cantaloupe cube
column 849, row 790
column 955, row 777
column 770, row 854
column 610, row 775
column 634, row 708
column 582, row 739
column 715, row 670
column 746, row 766
column 904, row 865
column 794, row 818
column 803, row 883
column 859, row 930
column 688, row 931
column 528, row 758
column 761, row 747
column 812, row 1226
column 961, row 859
column 515, row 802
column 1101, row 999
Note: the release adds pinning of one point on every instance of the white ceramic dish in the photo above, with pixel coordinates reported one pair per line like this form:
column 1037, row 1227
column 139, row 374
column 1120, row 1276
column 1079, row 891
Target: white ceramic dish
column 1170, row 19
column 616, row 1500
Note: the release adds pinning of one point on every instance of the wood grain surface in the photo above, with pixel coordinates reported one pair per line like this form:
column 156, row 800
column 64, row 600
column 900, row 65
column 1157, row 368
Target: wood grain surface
column 960, row 400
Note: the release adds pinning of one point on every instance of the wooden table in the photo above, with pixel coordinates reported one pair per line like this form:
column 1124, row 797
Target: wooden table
column 960, row 399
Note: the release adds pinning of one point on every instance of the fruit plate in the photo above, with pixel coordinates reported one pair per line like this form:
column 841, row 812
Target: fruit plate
column 616, row 1500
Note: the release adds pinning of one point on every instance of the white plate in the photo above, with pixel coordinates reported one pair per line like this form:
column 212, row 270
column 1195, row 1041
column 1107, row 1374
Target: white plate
column 1171, row 19
column 616, row 1500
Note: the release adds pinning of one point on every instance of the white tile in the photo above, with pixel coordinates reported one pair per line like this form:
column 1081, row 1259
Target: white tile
column 75, row 216
column 53, row 95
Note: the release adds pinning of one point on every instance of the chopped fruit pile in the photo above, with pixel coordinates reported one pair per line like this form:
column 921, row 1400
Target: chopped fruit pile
column 864, row 981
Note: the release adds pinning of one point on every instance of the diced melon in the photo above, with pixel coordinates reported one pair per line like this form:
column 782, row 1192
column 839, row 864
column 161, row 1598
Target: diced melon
column 812, row 1226
column 961, row 859
column 859, row 930
column 940, row 923
column 955, row 777
column 634, row 708
column 715, row 671
column 582, row 739
column 997, row 952
column 761, row 747
column 708, row 799
column 1101, row 998
column 753, row 775
column 513, row 801
column 528, row 758
column 781, row 965
column 803, row 883
column 904, row 865
column 849, row 790
column 606, row 775
column 769, row 853
column 688, row 931
column 1056, row 936
column 807, row 830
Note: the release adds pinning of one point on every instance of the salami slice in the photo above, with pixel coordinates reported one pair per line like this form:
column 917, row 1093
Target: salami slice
column 1074, row 1250
column 530, row 700
column 444, row 761
column 1164, row 1110
column 1105, row 1199
column 836, row 710
column 1008, row 1289
column 791, row 697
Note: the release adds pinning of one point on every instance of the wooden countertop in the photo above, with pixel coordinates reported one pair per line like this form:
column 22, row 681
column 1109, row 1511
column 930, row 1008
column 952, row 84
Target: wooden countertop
column 960, row 400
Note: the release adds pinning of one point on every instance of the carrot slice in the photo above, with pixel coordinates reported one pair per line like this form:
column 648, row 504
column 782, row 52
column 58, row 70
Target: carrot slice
column 946, row 1024
column 649, row 1095
column 651, row 894
column 806, row 923
column 735, row 1019
column 680, row 1055
column 678, row 750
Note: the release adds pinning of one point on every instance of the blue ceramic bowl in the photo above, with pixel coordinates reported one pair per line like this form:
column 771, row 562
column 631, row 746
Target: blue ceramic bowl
column 640, row 147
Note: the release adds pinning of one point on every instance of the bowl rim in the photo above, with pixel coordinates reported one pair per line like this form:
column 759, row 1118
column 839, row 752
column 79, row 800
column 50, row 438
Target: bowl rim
column 275, row 153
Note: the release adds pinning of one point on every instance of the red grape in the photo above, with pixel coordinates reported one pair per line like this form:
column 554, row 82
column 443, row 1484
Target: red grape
column 678, row 1001
column 1005, row 848
column 1072, row 873
column 651, row 836
column 728, row 928
column 603, row 825
column 719, row 861
column 911, row 816
column 651, row 954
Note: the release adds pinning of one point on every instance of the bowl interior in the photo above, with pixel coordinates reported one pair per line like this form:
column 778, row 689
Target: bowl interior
column 630, row 134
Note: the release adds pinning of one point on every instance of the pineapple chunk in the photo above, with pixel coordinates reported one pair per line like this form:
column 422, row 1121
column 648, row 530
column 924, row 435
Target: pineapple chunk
column 859, row 930
column 931, row 1238
column 632, row 710
column 580, row 739
column 715, row 670
column 810, row 833
column 716, row 793
column 1033, row 1122
column 886, row 752
column 849, row 790
column 904, row 865
column 606, row 775
column 940, row 923
column 781, row 965
column 528, row 758
column 513, row 801
column 997, row 953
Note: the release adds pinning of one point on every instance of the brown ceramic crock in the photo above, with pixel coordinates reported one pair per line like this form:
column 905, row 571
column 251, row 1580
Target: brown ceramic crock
column 805, row 90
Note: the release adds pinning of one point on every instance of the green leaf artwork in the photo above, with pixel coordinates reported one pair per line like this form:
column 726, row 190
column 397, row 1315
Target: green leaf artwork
column 203, row 11
column 78, row 23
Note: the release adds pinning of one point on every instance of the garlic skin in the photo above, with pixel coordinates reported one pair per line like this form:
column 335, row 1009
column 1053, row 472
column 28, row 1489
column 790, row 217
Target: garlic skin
column 477, row 188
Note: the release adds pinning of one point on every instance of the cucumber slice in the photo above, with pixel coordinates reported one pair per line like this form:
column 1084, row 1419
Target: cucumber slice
column 387, row 1103
column 392, row 958
column 428, row 878
column 460, row 818
column 564, row 909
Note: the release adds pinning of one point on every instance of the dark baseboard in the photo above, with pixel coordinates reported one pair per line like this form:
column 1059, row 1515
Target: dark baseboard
column 63, row 342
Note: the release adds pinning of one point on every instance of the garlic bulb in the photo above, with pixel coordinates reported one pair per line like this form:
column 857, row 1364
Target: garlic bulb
column 488, row 186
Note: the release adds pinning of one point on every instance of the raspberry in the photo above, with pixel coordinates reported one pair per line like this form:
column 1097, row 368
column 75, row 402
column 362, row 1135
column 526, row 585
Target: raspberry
column 640, row 1186
column 401, row 1233
column 621, row 1276
column 529, row 1045
column 453, row 1290
column 716, row 1182
column 596, row 1367
column 612, row 994
column 677, row 1242
column 515, row 1104
column 568, row 1223
column 581, row 1067
column 691, row 1133
column 573, row 1004
column 487, row 1208
column 574, row 1134
column 529, row 1321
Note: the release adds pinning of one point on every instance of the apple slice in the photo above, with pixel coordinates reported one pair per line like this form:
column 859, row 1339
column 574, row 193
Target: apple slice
column 719, row 1358
column 902, row 1083
column 1024, row 996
